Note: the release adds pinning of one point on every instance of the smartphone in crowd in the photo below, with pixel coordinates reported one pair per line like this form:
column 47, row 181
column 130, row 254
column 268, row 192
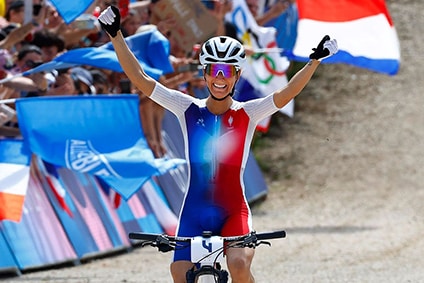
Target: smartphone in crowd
column 125, row 85
column 36, row 8
column 85, row 21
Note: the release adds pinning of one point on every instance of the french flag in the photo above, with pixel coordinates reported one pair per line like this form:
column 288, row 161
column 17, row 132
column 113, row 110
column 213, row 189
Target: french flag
column 14, row 177
column 364, row 31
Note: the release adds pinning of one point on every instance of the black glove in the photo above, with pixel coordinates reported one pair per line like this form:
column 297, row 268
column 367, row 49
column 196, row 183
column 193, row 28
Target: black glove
column 110, row 20
column 320, row 51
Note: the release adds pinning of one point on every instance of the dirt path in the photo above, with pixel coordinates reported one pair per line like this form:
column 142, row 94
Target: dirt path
column 346, row 181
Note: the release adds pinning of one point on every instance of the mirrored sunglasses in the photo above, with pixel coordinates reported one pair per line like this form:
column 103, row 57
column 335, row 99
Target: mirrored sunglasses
column 227, row 71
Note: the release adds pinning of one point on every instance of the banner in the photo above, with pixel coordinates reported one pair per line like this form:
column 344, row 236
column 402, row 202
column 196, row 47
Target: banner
column 98, row 135
column 14, row 176
column 70, row 10
column 364, row 31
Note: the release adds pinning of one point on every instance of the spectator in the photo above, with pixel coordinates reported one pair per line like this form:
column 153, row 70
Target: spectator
column 83, row 81
column 142, row 8
column 100, row 81
column 53, row 21
column 63, row 84
column 13, row 36
column 219, row 8
column 286, row 25
column 131, row 23
column 15, row 12
column 50, row 43
column 28, row 58
column 273, row 12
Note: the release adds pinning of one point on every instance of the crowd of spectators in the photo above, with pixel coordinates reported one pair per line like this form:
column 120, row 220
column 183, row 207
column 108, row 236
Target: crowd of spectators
column 27, row 43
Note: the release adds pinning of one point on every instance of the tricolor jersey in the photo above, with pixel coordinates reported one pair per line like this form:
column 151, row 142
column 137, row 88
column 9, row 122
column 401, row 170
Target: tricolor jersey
column 216, row 149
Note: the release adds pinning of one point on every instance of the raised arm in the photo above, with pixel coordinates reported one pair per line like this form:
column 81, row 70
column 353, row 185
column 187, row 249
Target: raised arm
column 110, row 21
column 326, row 47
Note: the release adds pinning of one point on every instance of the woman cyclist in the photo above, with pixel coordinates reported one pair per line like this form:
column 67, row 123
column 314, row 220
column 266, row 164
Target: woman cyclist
column 218, row 131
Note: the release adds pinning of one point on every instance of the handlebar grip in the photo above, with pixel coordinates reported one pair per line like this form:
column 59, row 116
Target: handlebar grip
column 271, row 235
column 143, row 236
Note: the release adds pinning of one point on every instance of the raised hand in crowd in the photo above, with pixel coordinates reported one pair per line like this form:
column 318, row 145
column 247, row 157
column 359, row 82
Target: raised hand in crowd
column 273, row 12
column 15, row 35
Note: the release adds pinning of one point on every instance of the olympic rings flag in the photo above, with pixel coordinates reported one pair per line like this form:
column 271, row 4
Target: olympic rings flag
column 265, row 70
column 364, row 31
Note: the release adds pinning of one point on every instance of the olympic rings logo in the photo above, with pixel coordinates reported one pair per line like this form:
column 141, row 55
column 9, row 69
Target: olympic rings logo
column 239, row 16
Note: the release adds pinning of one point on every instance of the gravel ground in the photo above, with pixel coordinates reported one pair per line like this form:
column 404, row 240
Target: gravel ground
column 345, row 177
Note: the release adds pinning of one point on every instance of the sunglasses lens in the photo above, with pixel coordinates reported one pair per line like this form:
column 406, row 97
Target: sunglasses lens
column 227, row 71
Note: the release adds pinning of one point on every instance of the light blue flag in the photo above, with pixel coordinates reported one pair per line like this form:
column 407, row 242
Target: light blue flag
column 69, row 10
column 91, row 56
column 151, row 49
column 99, row 135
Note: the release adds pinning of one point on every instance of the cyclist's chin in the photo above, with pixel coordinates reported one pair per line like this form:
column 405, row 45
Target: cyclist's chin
column 220, row 93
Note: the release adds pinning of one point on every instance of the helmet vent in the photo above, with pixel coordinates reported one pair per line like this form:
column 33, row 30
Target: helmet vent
column 224, row 50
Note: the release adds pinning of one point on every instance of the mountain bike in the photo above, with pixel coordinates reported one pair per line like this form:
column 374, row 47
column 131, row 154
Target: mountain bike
column 207, row 251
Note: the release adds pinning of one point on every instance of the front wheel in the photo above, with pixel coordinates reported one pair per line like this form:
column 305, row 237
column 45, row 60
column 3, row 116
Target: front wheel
column 207, row 274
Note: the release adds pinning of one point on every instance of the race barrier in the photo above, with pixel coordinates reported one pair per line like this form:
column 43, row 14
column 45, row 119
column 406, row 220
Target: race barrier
column 70, row 217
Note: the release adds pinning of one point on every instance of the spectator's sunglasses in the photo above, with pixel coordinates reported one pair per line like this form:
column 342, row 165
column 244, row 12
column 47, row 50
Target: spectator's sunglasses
column 228, row 71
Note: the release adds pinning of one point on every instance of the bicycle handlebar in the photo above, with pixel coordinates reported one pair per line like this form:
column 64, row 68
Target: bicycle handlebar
column 162, row 240
column 271, row 235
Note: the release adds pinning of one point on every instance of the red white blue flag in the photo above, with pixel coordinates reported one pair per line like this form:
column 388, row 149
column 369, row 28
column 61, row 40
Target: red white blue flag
column 14, row 177
column 364, row 31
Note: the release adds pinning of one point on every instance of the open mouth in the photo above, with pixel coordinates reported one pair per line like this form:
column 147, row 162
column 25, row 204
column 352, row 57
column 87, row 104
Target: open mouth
column 220, row 86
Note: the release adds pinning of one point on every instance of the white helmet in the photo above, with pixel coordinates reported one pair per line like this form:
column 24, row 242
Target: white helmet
column 224, row 50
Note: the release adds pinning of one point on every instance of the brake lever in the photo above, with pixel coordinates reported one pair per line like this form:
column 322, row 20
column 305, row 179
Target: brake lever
column 263, row 243
column 163, row 244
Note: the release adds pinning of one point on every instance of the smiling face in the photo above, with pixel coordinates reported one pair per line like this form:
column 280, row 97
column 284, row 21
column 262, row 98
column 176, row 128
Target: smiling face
column 220, row 79
column 220, row 86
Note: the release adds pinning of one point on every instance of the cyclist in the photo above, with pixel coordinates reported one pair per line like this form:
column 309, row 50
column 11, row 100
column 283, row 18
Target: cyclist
column 218, row 131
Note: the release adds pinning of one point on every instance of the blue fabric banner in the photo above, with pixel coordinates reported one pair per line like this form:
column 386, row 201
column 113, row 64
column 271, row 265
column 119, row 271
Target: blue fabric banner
column 70, row 10
column 150, row 47
column 98, row 135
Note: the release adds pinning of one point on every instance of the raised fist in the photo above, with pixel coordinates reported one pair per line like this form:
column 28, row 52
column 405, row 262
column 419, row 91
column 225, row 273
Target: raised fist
column 110, row 20
column 325, row 48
